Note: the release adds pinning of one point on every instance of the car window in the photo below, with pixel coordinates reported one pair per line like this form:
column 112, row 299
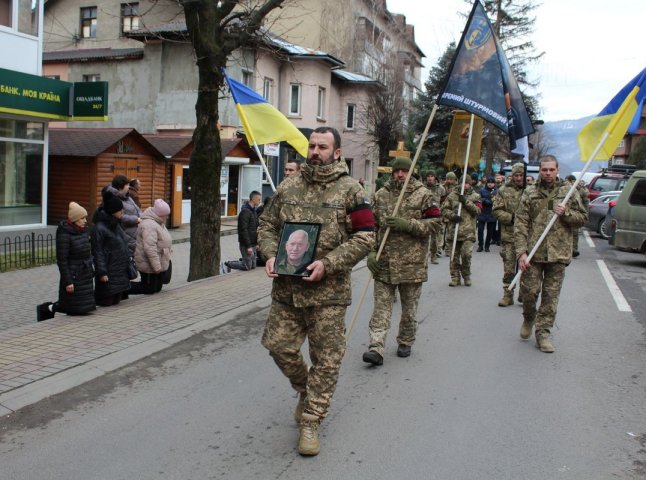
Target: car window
column 638, row 195
column 604, row 184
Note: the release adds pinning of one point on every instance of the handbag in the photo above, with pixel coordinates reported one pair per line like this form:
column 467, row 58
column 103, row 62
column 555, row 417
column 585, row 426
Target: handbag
column 166, row 276
column 132, row 269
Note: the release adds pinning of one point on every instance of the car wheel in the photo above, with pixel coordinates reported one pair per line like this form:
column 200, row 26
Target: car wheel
column 604, row 228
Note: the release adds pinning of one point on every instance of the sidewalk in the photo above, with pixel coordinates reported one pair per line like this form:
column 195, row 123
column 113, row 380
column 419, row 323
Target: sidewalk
column 41, row 359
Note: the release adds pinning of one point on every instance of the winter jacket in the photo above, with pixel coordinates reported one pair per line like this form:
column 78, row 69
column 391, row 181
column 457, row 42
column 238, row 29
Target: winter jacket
column 505, row 204
column 487, row 197
column 130, row 219
column 404, row 259
column 324, row 194
column 154, row 243
column 468, row 213
column 111, row 255
column 535, row 212
column 247, row 226
column 74, row 260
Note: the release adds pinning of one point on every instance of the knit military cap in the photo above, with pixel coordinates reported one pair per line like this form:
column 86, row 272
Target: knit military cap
column 452, row 176
column 431, row 172
column 518, row 168
column 402, row 163
column 76, row 212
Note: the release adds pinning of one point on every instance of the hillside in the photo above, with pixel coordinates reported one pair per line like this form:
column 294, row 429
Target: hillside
column 561, row 140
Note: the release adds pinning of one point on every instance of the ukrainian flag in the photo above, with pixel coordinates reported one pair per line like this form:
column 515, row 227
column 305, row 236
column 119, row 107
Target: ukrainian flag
column 269, row 125
column 623, row 111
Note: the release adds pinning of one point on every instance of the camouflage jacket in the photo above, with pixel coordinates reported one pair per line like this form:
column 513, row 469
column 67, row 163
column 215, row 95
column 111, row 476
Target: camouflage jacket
column 585, row 197
column 469, row 214
column 438, row 193
column 327, row 195
column 534, row 213
column 404, row 258
column 505, row 205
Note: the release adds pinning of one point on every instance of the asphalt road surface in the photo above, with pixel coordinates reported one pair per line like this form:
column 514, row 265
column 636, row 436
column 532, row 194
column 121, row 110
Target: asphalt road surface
column 472, row 402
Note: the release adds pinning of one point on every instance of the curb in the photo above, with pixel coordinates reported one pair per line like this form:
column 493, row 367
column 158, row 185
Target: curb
column 60, row 382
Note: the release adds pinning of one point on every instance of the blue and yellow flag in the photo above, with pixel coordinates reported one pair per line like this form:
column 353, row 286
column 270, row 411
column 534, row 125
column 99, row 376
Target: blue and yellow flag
column 623, row 111
column 262, row 122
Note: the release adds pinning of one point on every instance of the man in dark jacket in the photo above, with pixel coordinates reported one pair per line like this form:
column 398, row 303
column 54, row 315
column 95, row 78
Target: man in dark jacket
column 247, row 236
column 486, row 217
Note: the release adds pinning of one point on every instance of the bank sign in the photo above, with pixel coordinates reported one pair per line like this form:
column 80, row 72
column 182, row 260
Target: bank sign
column 24, row 94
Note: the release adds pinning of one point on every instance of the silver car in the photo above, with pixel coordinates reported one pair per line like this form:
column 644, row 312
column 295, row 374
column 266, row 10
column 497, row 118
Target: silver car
column 597, row 212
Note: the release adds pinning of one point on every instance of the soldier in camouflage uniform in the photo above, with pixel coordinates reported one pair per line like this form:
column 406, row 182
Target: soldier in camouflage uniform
column 544, row 275
column 504, row 209
column 438, row 194
column 314, row 306
column 585, row 199
column 403, row 263
column 466, row 224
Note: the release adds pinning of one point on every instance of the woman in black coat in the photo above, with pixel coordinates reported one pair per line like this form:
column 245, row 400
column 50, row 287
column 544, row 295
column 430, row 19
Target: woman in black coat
column 74, row 259
column 110, row 251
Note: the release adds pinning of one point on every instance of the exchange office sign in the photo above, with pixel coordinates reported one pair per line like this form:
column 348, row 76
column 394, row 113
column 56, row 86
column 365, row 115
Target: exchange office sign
column 31, row 95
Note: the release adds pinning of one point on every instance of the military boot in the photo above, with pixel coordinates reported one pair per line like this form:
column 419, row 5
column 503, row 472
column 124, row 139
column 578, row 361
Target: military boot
column 308, row 442
column 543, row 341
column 526, row 329
column 298, row 413
column 507, row 298
column 467, row 281
column 455, row 281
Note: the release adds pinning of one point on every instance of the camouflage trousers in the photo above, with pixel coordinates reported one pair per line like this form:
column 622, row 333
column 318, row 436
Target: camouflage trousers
column 545, row 279
column 324, row 327
column 461, row 261
column 409, row 294
column 437, row 241
column 508, row 254
column 575, row 239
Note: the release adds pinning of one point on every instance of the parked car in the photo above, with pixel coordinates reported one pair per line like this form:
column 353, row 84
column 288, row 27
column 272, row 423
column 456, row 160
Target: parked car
column 628, row 231
column 587, row 176
column 598, row 213
column 612, row 178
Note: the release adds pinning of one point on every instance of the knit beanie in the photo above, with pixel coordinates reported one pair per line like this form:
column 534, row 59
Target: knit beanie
column 112, row 204
column 76, row 212
column 402, row 163
column 452, row 176
column 518, row 168
column 161, row 208
column 431, row 172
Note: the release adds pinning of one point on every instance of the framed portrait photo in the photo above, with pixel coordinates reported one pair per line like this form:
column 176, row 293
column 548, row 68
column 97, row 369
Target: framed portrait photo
column 296, row 248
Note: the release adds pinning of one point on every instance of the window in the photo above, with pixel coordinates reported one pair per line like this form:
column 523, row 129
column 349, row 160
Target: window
column 638, row 195
column 88, row 22
column 53, row 77
column 294, row 99
column 320, row 109
column 27, row 18
column 21, row 163
column 92, row 77
column 129, row 17
column 247, row 77
column 349, row 121
column 6, row 12
column 267, row 89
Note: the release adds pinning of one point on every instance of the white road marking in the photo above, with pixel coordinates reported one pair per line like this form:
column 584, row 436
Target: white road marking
column 617, row 296
column 588, row 239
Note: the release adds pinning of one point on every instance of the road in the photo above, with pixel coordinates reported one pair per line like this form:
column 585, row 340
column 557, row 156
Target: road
column 472, row 402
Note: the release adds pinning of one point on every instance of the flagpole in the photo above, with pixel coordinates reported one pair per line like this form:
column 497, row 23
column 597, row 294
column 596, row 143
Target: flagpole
column 565, row 200
column 464, row 178
column 264, row 167
column 387, row 232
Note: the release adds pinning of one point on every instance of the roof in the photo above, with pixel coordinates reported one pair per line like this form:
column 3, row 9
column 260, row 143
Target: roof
column 296, row 51
column 168, row 30
column 169, row 145
column 84, row 55
column 88, row 142
column 352, row 77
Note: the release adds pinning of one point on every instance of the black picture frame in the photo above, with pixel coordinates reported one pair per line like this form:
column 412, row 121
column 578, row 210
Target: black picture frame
column 285, row 266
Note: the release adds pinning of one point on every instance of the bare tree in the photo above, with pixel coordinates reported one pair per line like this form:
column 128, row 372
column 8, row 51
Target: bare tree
column 384, row 112
column 215, row 29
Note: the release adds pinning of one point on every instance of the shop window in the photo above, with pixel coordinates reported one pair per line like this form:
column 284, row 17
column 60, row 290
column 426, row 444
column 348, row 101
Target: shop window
column 88, row 22
column 21, row 172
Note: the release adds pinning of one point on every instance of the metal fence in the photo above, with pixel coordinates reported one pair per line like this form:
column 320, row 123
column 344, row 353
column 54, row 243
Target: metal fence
column 27, row 251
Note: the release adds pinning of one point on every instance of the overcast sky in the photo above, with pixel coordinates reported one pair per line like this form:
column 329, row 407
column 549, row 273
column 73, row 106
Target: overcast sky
column 592, row 47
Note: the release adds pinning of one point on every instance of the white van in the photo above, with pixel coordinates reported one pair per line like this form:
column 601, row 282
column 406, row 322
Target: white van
column 587, row 176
